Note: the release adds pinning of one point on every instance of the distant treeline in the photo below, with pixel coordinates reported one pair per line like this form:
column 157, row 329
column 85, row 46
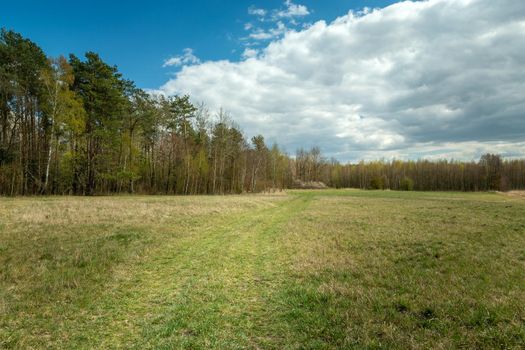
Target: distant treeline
column 76, row 126
column 490, row 173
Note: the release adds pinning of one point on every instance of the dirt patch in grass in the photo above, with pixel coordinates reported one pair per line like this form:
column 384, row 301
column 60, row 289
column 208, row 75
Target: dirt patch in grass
column 519, row 194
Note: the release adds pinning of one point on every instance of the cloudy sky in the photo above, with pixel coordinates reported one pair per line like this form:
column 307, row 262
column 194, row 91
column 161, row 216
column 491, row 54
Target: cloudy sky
column 360, row 79
column 438, row 78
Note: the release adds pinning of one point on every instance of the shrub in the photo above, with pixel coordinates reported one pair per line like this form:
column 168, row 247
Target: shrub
column 377, row 183
column 406, row 184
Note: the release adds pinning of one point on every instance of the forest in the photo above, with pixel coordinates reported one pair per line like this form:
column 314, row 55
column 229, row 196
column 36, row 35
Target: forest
column 76, row 126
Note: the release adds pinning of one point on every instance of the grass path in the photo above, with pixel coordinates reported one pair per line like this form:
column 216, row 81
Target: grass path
column 212, row 289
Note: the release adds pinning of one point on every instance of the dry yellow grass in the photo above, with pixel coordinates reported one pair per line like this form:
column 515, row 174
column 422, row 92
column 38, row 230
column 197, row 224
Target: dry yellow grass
column 519, row 194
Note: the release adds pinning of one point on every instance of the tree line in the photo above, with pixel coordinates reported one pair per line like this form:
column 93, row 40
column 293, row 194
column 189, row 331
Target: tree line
column 490, row 173
column 76, row 126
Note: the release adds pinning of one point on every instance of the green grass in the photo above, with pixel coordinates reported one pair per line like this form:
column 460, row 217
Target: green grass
column 332, row 269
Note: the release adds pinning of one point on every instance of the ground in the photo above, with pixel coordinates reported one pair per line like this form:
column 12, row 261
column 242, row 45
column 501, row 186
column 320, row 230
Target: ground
column 324, row 269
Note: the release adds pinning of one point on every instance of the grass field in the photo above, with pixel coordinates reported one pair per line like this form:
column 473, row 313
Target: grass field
column 302, row 270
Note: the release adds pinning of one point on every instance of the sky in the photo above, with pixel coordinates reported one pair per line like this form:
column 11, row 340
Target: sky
column 361, row 79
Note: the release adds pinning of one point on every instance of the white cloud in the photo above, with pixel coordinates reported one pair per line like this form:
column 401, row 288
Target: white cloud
column 254, row 11
column 187, row 58
column 250, row 53
column 293, row 10
column 272, row 33
column 429, row 78
column 277, row 24
column 260, row 34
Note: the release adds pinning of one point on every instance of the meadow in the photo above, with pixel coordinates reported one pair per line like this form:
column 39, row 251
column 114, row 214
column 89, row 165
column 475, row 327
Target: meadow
column 330, row 269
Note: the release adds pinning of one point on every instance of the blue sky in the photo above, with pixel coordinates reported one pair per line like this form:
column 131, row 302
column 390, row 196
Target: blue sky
column 138, row 36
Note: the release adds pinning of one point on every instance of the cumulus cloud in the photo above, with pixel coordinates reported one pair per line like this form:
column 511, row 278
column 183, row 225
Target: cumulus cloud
column 254, row 11
column 272, row 33
column 428, row 78
column 250, row 53
column 276, row 24
column 293, row 10
column 187, row 58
